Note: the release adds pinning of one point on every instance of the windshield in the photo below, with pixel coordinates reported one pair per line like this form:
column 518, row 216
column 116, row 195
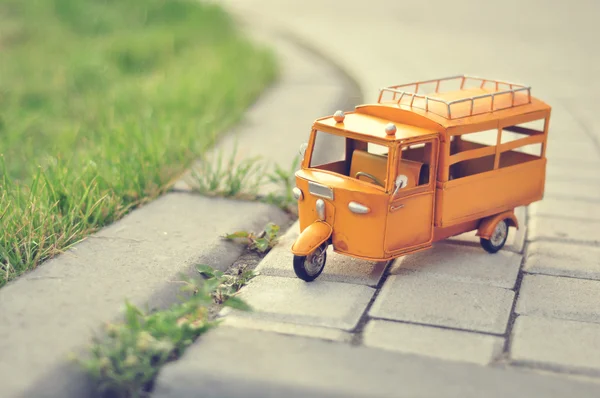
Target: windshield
column 362, row 160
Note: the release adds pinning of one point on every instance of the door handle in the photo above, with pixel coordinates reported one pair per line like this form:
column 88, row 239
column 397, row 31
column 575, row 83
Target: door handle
column 397, row 207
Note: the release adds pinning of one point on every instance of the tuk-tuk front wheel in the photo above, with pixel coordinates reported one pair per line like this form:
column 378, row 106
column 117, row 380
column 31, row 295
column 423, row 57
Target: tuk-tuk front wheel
column 498, row 238
column 308, row 268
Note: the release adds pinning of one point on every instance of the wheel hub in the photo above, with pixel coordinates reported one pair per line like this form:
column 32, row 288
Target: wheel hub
column 315, row 261
column 499, row 233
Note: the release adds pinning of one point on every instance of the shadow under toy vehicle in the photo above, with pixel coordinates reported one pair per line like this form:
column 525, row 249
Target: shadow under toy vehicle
column 419, row 166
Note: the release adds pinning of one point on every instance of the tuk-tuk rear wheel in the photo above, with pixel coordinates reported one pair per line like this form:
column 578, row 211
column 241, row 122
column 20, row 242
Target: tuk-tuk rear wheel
column 498, row 238
column 308, row 268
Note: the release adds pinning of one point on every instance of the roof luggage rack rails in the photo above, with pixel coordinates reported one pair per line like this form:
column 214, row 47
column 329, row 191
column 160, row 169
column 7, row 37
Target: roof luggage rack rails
column 400, row 92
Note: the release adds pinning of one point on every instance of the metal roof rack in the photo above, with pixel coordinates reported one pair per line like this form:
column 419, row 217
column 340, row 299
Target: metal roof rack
column 405, row 94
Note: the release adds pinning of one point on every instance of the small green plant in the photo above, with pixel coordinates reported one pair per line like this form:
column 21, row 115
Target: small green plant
column 244, row 179
column 241, row 180
column 230, row 283
column 286, row 180
column 125, row 361
column 262, row 242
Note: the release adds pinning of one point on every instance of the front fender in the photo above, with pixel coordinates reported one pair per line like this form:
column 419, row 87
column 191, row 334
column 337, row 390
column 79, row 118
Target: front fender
column 487, row 226
column 311, row 238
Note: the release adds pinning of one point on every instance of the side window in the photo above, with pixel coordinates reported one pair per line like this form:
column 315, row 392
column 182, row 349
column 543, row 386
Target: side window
column 472, row 153
column 483, row 151
column 469, row 141
column 414, row 166
column 525, row 141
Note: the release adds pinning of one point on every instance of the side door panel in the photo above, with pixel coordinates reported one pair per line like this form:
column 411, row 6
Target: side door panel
column 411, row 210
column 409, row 222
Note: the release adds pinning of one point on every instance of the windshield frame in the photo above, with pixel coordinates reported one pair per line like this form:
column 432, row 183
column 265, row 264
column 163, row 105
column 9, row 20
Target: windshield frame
column 391, row 145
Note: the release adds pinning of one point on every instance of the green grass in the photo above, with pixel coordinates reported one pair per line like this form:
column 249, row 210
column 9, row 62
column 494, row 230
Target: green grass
column 243, row 178
column 103, row 104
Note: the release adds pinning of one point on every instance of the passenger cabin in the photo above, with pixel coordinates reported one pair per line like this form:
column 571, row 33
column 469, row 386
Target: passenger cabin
column 492, row 141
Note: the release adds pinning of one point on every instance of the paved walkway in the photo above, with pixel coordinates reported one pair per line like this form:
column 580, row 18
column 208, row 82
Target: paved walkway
column 532, row 309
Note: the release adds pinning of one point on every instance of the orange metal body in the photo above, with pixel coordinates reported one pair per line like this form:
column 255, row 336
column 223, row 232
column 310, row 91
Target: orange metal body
column 451, row 184
column 316, row 234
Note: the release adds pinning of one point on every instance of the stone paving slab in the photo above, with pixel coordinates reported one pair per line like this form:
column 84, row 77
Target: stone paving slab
column 573, row 170
column 572, row 189
column 339, row 268
column 464, row 264
column 558, row 297
column 563, row 259
column 585, row 150
column 514, row 242
column 57, row 307
column 434, row 342
column 564, row 208
column 425, row 299
column 317, row 303
column 556, row 344
column 564, row 229
column 546, row 371
column 235, row 363
column 286, row 328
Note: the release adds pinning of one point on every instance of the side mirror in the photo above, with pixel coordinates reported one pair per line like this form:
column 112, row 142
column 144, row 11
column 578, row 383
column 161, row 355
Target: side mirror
column 303, row 149
column 401, row 182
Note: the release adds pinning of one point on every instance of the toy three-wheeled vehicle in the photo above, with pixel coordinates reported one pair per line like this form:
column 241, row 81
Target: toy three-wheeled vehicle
column 391, row 178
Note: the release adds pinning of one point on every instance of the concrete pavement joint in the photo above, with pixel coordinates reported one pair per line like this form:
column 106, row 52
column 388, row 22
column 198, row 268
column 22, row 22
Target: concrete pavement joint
column 358, row 330
column 568, row 241
column 442, row 327
column 553, row 373
column 559, row 276
column 115, row 238
column 517, row 288
column 569, row 197
column 559, row 217
column 555, row 368
column 357, row 338
column 513, row 314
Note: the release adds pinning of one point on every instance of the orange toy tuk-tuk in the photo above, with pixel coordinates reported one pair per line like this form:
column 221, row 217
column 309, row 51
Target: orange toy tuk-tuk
column 429, row 160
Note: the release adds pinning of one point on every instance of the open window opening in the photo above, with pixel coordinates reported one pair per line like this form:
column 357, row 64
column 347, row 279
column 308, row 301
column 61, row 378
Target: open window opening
column 520, row 134
column 523, row 130
column 524, row 154
column 414, row 165
column 473, row 153
column 471, row 167
column 470, row 141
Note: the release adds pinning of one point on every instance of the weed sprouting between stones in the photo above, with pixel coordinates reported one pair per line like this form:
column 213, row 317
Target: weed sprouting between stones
column 261, row 242
column 125, row 361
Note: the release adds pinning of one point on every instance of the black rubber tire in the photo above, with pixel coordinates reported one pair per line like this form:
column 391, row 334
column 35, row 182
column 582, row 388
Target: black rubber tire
column 300, row 267
column 489, row 246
